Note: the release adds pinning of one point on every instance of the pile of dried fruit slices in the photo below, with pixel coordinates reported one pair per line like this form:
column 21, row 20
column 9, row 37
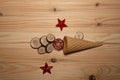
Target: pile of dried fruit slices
column 47, row 43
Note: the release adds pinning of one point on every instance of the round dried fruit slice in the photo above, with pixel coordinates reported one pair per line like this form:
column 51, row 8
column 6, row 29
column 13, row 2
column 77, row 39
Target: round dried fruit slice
column 49, row 48
column 35, row 43
column 43, row 41
column 50, row 37
column 58, row 44
column 79, row 35
column 41, row 50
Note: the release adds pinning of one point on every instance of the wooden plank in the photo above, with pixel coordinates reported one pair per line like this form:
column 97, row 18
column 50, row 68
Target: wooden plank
column 64, row 71
column 44, row 7
column 15, row 47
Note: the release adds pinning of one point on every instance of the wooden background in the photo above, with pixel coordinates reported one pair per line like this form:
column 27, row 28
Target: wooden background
column 21, row 20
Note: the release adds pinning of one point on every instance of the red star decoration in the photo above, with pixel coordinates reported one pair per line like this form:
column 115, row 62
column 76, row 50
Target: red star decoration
column 46, row 68
column 61, row 24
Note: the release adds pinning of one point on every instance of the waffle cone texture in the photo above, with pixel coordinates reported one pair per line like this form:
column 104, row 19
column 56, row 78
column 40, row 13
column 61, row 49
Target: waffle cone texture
column 74, row 45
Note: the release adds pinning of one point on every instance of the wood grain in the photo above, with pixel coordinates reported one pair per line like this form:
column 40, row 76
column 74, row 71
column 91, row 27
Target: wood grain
column 21, row 20
column 24, row 71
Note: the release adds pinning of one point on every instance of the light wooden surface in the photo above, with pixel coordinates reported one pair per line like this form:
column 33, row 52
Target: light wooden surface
column 21, row 20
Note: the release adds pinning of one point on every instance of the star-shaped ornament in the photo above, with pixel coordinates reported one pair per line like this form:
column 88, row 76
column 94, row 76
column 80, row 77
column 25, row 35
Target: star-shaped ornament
column 61, row 24
column 46, row 68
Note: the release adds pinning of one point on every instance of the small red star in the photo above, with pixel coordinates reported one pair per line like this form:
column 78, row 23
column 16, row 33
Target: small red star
column 61, row 24
column 46, row 68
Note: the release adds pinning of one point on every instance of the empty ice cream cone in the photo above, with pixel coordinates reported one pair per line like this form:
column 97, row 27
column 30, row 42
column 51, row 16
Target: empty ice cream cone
column 73, row 45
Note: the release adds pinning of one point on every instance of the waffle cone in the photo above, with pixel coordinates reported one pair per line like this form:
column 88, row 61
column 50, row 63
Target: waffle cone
column 73, row 45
